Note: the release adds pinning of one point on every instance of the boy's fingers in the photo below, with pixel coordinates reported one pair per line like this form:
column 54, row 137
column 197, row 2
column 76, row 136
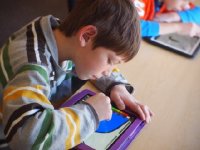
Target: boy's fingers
column 119, row 103
column 143, row 111
column 147, row 113
column 107, row 99
column 109, row 112
column 151, row 113
column 109, row 115
column 139, row 111
column 134, row 105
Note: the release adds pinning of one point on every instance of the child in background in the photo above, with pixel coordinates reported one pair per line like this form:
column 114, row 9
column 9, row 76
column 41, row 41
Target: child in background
column 167, row 16
column 95, row 36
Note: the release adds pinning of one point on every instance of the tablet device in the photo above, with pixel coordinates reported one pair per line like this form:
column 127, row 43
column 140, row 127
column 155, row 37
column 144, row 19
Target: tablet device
column 115, row 134
column 182, row 44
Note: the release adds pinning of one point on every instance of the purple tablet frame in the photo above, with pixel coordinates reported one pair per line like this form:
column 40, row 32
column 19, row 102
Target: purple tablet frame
column 127, row 136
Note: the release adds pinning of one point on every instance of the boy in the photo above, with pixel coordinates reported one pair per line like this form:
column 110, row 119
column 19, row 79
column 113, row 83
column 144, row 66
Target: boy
column 93, row 41
column 167, row 16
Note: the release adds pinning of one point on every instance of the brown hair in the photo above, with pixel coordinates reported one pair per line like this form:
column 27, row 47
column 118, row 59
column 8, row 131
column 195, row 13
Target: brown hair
column 117, row 24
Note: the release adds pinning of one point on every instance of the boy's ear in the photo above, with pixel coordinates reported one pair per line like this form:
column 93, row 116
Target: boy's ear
column 86, row 34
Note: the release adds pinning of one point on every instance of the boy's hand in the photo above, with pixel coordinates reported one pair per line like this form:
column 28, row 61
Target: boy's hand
column 101, row 103
column 121, row 97
column 167, row 17
column 190, row 29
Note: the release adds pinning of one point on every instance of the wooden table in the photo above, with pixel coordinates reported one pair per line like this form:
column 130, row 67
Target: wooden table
column 170, row 85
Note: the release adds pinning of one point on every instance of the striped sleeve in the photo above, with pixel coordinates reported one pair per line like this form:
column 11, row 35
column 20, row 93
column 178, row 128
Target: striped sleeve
column 29, row 119
column 105, row 84
column 27, row 112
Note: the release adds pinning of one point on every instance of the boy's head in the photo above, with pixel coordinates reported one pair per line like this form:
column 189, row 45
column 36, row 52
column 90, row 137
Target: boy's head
column 116, row 22
column 108, row 32
column 177, row 5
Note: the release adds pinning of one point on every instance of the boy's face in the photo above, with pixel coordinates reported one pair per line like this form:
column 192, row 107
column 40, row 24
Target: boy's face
column 92, row 63
column 177, row 5
column 95, row 63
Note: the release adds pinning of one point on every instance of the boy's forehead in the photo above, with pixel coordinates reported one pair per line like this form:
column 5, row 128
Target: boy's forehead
column 115, row 57
column 118, row 59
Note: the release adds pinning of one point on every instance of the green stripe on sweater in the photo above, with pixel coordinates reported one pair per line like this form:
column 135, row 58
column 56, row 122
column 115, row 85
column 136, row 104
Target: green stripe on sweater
column 69, row 66
column 44, row 139
column 34, row 67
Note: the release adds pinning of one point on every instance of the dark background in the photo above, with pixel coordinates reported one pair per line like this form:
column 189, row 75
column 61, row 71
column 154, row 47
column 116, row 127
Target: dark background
column 16, row 13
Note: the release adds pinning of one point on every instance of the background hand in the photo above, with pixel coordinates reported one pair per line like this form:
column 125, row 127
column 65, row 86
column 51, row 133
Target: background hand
column 167, row 17
column 190, row 29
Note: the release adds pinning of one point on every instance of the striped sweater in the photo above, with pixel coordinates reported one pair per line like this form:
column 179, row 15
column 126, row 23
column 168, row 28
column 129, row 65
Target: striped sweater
column 31, row 79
